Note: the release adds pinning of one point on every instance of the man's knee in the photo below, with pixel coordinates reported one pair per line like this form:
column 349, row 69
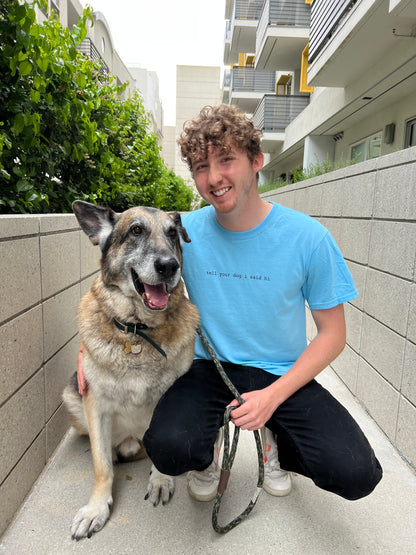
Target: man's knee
column 363, row 481
column 176, row 453
column 354, row 481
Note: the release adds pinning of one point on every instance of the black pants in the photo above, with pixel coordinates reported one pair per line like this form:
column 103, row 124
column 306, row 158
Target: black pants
column 316, row 435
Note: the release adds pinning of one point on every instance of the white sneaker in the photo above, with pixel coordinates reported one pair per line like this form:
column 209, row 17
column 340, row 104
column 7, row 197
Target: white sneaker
column 203, row 485
column 277, row 482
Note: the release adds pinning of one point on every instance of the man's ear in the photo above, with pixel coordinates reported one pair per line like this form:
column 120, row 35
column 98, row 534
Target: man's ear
column 176, row 217
column 96, row 221
column 258, row 162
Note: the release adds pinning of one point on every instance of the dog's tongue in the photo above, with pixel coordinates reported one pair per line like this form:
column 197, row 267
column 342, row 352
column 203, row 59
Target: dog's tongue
column 157, row 296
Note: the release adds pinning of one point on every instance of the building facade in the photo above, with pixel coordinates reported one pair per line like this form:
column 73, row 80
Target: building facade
column 99, row 46
column 147, row 83
column 325, row 81
column 196, row 87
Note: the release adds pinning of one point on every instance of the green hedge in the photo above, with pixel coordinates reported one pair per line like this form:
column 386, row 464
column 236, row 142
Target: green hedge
column 65, row 132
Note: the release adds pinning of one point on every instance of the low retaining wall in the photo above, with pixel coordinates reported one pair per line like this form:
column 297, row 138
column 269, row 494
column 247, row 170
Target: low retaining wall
column 47, row 264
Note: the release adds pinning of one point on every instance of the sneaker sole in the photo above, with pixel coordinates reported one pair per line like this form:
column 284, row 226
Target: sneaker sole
column 278, row 492
column 200, row 496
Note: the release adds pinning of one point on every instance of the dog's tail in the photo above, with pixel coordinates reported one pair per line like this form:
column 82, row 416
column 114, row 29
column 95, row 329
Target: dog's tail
column 73, row 402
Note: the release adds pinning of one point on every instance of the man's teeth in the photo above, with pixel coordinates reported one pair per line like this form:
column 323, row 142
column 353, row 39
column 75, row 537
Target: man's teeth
column 221, row 192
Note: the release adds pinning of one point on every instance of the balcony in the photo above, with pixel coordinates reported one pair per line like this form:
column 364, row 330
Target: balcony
column 241, row 35
column 88, row 48
column 273, row 115
column 351, row 38
column 282, row 34
column 248, row 86
column 227, row 41
column 226, row 81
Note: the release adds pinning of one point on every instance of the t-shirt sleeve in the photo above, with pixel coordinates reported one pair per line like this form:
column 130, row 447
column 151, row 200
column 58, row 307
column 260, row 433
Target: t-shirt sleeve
column 328, row 281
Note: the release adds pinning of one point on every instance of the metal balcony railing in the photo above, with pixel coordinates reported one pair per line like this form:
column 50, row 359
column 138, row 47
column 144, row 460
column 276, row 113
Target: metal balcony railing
column 248, row 9
column 227, row 34
column 88, row 48
column 46, row 9
column 275, row 112
column 247, row 79
column 327, row 17
column 284, row 13
column 226, row 81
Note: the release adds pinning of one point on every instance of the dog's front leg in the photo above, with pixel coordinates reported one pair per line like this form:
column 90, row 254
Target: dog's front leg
column 92, row 517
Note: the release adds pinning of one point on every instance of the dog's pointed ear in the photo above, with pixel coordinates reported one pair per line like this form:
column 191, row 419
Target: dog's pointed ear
column 96, row 221
column 176, row 217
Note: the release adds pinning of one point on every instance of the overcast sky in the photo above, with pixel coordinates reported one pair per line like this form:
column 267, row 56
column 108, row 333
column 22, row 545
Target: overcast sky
column 161, row 34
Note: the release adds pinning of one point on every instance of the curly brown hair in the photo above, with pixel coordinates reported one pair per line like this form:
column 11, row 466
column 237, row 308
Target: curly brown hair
column 220, row 127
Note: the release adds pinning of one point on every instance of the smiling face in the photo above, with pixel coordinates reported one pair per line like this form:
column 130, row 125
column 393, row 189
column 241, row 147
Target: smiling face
column 227, row 180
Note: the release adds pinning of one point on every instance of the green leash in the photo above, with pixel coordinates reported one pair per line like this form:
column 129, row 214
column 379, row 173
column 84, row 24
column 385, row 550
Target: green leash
column 230, row 451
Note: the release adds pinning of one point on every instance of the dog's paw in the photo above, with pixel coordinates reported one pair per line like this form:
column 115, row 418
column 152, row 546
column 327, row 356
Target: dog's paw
column 90, row 519
column 160, row 487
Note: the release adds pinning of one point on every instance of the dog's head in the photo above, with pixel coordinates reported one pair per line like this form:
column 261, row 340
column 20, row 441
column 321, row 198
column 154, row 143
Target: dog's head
column 141, row 249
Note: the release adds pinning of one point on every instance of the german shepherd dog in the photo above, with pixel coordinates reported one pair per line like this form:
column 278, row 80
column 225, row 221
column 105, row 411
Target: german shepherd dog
column 137, row 332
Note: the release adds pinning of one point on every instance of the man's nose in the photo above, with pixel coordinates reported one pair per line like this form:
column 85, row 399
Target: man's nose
column 214, row 176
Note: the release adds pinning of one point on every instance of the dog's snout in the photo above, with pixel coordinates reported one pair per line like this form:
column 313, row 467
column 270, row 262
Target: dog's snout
column 166, row 267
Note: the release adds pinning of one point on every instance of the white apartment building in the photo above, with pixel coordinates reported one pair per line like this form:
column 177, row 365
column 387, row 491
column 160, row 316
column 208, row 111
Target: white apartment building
column 147, row 83
column 99, row 46
column 323, row 79
column 196, row 87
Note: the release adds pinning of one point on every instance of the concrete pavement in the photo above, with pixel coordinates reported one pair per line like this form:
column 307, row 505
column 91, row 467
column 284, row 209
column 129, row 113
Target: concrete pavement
column 308, row 521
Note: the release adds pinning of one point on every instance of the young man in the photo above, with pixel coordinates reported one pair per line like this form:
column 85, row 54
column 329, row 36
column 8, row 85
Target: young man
column 249, row 269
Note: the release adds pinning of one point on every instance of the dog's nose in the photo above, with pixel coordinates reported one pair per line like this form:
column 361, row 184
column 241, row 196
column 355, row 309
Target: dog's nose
column 166, row 267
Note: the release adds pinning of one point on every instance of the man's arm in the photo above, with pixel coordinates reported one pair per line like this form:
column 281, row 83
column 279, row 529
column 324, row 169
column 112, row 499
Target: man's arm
column 326, row 346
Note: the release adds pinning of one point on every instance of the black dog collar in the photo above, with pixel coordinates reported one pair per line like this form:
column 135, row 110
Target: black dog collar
column 127, row 327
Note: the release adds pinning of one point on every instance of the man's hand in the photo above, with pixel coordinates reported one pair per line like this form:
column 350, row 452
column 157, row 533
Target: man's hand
column 256, row 410
column 259, row 406
column 82, row 384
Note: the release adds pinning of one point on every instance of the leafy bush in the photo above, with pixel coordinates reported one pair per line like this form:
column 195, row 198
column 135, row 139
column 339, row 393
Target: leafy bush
column 271, row 186
column 65, row 134
column 319, row 168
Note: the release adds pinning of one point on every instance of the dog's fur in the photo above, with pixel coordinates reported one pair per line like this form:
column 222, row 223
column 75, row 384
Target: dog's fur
column 140, row 281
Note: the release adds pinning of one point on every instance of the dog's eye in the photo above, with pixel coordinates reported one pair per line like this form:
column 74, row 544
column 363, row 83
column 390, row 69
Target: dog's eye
column 172, row 232
column 136, row 230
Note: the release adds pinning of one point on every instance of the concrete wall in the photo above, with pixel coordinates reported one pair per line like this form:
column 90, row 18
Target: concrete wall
column 370, row 209
column 47, row 264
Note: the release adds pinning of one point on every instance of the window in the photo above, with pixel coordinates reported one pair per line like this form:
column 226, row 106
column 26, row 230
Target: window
column 102, row 45
column 367, row 148
column 55, row 6
column 410, row 133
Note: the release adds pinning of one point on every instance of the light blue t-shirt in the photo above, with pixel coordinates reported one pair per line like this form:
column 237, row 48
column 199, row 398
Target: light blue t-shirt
column 250, row 287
